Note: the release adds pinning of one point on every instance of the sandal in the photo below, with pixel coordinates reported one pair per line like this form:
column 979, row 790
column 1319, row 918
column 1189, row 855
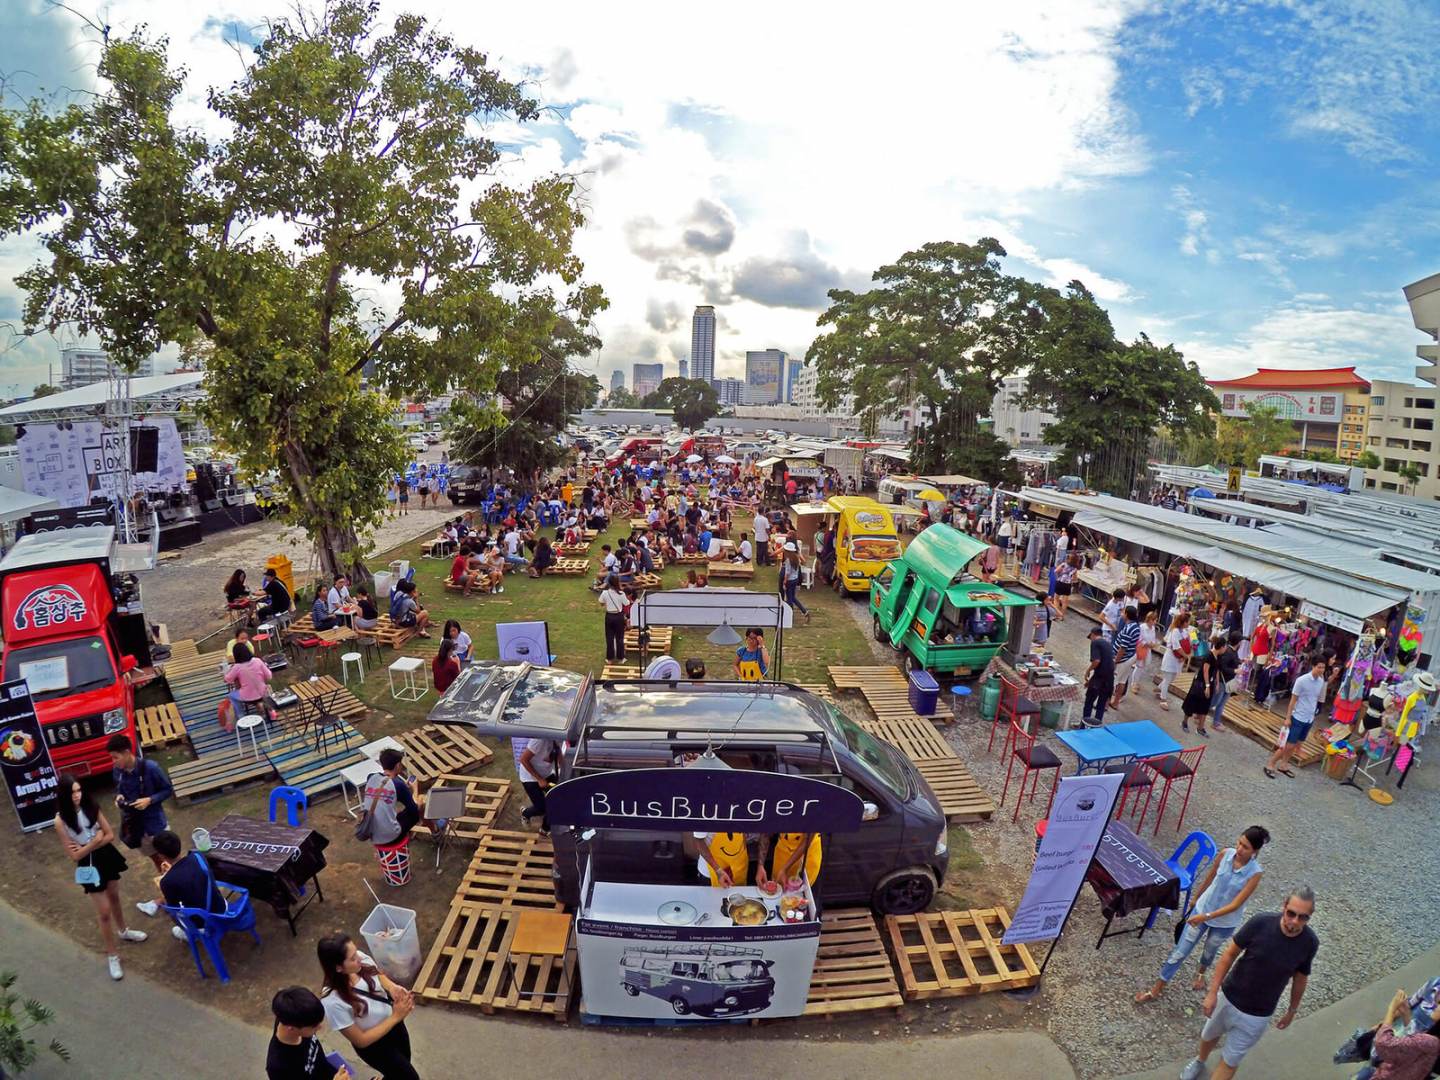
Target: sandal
column 1146, row 996
column 1267, row 771
column 1287, row 772
column 1185, row 724
column 1200, row 983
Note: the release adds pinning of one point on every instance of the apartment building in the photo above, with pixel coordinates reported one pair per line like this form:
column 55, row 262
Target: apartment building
column 1401, row 432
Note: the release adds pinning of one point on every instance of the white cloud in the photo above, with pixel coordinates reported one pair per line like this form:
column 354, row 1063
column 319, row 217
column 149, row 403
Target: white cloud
column 1196, row 220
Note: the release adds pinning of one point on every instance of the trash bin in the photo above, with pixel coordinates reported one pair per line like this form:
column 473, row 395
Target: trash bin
column 393, row 941
column 1051, row 713
column 383, row 580
column 924, row 693
column 283, row 570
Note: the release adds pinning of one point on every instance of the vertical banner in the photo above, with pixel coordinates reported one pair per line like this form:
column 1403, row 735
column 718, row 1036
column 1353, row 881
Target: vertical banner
column 1078, row 818
column 25, row 758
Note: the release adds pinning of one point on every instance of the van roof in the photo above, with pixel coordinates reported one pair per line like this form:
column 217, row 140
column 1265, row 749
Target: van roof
column 709, row 707
column 88, row 543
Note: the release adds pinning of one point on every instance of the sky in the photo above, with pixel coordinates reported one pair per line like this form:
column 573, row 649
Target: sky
column 1248, row 179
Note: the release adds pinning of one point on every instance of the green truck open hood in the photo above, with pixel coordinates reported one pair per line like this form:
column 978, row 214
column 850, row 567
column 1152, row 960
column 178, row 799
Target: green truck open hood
column 974, row 594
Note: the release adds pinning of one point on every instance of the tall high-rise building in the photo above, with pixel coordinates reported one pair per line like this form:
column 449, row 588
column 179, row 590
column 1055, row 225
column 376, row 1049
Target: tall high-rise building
column 766, row 373
column 617, row 380
column 792, row 377
column 646, row 378
column 731, row 391
column 81, row 367
column 702, row 343
column 684, row 368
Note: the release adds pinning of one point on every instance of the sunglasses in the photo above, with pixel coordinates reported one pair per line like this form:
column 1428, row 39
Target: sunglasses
column 1296, row 915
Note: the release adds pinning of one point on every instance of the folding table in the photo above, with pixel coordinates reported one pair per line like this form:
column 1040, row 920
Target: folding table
column 1095, row 747
column 1145, row 738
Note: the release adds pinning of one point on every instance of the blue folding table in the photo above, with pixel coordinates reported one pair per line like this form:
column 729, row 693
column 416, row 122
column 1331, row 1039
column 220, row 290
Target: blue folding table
column 1145, row 738
column 1095, row 747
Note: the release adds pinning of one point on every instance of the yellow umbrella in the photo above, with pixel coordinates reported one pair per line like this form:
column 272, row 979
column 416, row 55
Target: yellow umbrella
column 931, row 495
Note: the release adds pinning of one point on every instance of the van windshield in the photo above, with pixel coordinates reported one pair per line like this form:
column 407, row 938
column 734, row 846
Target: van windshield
column 872, row 754
column 59, row 668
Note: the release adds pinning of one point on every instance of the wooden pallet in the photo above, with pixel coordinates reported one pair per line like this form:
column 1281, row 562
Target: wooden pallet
column 639, row 525
column 646, row 581
column 572, row 550
column 470, row 963
column 887, row 692
column 853, row 973
column 915, row 738
column 159, row 726
column 510, row 869
column 662, row 638
column 621, row 671
column 347, row 705
column 314, row 770
column 475, row 590
column 390, row 635
column 178, row 649
column 484, row 798
column 741, row 571
column 960, row 797
column 218, row 771
column 698, row 558
column 442, row 749
column 957, row 953
column 186, row 666
column 1259, row 723
column 570, row 567
column 819, row 690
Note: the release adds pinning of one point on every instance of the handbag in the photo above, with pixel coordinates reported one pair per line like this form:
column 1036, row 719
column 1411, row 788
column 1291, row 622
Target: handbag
column 88, row 875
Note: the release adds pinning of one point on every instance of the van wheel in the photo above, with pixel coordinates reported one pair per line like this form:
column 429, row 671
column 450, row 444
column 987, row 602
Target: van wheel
column 680, row 1005
column 633, row 991
column 904, row 892
column 879, row 634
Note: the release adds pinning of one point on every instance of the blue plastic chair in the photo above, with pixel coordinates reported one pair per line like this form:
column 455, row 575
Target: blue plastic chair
column 1188, row 873
column 238, row 916
column 294, row 801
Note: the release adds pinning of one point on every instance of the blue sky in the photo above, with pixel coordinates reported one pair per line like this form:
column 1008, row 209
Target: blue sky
column 1245, row 179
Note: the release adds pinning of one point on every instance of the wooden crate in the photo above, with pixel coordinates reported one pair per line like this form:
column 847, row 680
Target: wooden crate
column 1258, row 722
column 647, row 581
column 442, row 749
column 853, row 973
column 484, row 798
column 573, row 550
column 662, row 639
column 570, row 567
column 159, row 726
column 470, row 963
column 510, row 869
column 957, row 953
column 621, row 671
column 742, row 571
column 961, row 798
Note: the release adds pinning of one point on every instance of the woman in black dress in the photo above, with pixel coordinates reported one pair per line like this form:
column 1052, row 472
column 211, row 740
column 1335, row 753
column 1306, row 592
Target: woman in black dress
column 89, row 843
column 1202, row 693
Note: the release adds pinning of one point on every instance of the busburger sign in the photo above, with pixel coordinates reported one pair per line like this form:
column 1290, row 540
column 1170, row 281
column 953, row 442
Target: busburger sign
column 712, row 800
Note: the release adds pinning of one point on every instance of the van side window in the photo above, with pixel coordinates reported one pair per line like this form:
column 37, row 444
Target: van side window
column 932, row 599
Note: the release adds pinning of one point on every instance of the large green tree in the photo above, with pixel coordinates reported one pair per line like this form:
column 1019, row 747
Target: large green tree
column 694, row 401
column 1236, row 441
column 620, row 398
column 351, row 215
column 1110, row 396
column 939, row 330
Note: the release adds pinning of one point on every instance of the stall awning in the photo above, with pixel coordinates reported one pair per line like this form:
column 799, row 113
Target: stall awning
column 893, row 455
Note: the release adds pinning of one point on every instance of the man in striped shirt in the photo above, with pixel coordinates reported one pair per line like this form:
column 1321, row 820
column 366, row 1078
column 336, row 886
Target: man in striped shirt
column 1127, row 636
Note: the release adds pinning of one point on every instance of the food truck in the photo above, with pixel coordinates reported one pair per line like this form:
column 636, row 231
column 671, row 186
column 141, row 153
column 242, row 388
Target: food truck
column 638, row 449
column 74, row 630
column 926, row 604
column 865, row 541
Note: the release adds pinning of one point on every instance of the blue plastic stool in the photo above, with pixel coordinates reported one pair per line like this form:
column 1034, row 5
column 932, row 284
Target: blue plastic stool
column 960, row 693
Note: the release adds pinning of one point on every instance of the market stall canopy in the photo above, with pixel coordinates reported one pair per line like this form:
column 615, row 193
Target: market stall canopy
column 156, row 393
column 769, row 462
column 16, row 504
column 952, row 480
column 892, row 455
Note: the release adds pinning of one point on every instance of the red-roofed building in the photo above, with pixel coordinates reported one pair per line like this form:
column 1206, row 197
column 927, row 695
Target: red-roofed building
column 1327, row 406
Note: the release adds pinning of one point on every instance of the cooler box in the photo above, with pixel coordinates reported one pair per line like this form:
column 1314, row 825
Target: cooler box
column 393, row 941
column 1051, row 713
column 924, row 693
column 283, row 570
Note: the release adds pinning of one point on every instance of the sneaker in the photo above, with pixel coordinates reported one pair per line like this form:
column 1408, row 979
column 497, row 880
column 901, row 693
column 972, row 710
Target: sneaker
column 133, row 935
column 1193, row 1070
column 178, row 934
column 149, row 907
column 116, row 971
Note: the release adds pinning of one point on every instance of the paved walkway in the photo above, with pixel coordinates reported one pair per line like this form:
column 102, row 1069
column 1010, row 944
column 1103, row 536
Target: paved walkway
column 96, row 1019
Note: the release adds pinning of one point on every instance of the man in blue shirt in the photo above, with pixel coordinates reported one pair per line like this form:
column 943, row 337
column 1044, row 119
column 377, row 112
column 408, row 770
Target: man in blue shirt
column 1127, row 637
column 141, row 786
column 1099, row 678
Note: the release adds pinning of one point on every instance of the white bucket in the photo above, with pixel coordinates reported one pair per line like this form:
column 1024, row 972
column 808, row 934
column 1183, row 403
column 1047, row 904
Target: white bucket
column 394, row 941
column 383, row 580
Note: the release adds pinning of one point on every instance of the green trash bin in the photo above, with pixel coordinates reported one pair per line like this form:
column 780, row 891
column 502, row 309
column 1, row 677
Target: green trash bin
column 1051, row 713
column 990, row 698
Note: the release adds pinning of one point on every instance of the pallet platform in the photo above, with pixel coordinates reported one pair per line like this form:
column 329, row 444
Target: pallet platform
column 1258, row 722
column 475, row 590
column 853, row 972
column 347, row 706
column 916, row 739
column 961, row 798
column 442, row 749
column 819, row 690
column 470, row 963
column 159, row 726
column 621, row 671
column 662, row 640
column 740, row 571
column 314, row 771
column 887, row 692
column 510, row 869
column 698, row 558
column 570, row 567
column 218, row 771
column 573, row 551
column 484, row 798
column 957, row 954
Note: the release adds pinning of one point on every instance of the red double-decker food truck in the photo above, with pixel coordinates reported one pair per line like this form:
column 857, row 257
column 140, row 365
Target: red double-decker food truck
column 74, row 631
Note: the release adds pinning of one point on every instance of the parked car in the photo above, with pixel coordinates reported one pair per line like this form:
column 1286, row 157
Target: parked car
column 467, row 485
column 896, row 860
column 1070, row 483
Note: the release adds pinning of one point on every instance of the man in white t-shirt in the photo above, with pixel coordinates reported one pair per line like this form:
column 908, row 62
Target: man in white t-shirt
column 1110, row 614
column 512, row 548
column 762, row 538
column 1305, row 698
column 744, row 553
column 716, row 548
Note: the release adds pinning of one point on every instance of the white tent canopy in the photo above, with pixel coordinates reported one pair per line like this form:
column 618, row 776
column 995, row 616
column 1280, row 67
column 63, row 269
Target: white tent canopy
column 15, row 504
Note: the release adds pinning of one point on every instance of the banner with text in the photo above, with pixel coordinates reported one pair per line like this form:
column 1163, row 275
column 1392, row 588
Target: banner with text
column 74, row 461
column 1077, row 822
column 25, row 758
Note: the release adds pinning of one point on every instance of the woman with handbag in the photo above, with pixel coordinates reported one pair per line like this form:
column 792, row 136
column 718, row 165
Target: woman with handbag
column 363, row 1004
column 1200, row 695
column 1232, row 880
column 90, row 845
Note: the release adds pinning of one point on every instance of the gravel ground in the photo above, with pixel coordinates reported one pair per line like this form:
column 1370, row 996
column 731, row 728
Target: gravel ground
column 1375, row 909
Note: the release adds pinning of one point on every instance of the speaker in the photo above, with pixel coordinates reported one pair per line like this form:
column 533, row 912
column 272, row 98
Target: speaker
column 144, row 449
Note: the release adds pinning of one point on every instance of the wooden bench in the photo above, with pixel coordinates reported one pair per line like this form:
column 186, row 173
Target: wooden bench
column 742, row 571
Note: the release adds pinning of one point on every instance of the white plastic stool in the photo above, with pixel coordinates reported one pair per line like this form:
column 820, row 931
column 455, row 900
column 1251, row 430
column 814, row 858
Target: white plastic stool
column 346, row 659
column 250, row 723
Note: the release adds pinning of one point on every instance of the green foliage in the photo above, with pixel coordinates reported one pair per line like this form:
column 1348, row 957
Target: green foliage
column 1367, row 459
column 542, row 398
column 621, row 399
column 44, row 390
column 1323, row 454
column 1410, row 473
column 1110, row 397
column 18, row 1018
column 1240, row 442
column 693, row 400
column 351, row 218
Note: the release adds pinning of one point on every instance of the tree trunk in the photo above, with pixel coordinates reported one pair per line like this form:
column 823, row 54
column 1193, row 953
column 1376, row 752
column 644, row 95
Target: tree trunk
column 334, row 543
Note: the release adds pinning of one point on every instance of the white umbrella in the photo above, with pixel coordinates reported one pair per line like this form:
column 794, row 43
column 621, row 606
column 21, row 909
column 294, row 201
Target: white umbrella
column 693, row 458
column 724, row 459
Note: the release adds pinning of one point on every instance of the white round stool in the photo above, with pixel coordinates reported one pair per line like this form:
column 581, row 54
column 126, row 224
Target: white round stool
column 250, row 723
column 346, row 659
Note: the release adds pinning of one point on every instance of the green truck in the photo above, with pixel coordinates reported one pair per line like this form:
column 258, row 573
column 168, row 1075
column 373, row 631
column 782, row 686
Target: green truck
column 927, row 604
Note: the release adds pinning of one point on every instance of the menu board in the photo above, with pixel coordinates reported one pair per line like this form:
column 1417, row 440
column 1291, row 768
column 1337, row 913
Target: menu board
column 25, row 758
